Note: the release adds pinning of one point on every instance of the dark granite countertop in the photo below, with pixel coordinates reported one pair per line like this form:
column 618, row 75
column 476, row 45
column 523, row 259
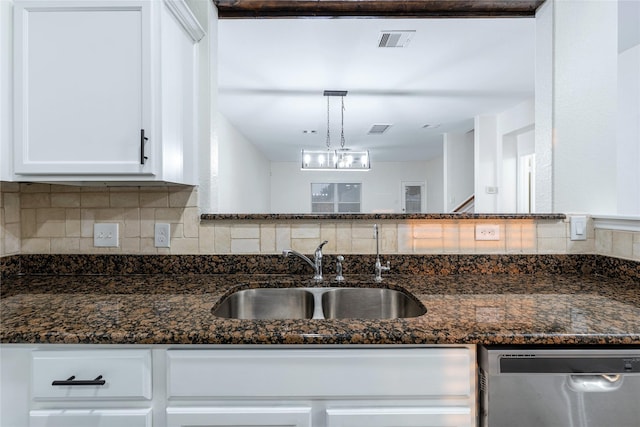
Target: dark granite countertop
column 567, row 309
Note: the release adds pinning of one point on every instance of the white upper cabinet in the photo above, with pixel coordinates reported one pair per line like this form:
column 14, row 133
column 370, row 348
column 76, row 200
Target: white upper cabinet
column 105, row 91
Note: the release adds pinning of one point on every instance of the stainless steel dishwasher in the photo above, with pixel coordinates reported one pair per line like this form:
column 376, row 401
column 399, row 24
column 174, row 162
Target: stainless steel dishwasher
column 566, row 387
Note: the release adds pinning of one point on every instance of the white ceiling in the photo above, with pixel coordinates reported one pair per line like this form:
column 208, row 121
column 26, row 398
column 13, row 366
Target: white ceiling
column 272, row 74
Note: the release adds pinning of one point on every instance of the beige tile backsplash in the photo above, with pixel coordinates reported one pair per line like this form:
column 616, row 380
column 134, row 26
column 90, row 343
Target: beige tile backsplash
column 43, row 218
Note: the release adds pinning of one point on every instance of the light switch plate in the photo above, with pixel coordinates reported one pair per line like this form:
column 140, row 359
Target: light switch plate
column 105, row 235
column 578, row 227
column 162, row 235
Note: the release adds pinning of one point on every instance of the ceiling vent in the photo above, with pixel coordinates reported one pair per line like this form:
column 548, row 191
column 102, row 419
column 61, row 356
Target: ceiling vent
column 395, row 38
column 378, row 129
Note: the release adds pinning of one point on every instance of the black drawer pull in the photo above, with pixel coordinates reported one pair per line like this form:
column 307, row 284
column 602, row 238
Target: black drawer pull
column 72, row 381
column 143, row 138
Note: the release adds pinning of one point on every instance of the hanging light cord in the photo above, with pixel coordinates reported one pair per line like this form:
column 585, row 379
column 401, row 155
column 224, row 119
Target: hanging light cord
column 342, row 125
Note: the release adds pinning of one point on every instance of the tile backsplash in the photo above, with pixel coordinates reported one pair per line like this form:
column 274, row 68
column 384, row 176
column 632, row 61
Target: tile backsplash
column 58, row 219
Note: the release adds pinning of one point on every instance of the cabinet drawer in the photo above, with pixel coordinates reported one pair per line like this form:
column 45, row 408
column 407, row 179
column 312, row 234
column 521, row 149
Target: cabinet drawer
column 320, row 373
column 126, row 374
column 245, row 416
column 400, row 417
column 90, row 418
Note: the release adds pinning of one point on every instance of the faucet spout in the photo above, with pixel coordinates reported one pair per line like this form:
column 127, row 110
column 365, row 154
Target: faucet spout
column 316, row 264
column 288, row 252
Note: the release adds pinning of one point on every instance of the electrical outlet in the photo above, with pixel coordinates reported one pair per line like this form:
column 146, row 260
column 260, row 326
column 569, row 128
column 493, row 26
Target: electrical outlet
column 105, row 235
column 162, row 235
column 487, row 232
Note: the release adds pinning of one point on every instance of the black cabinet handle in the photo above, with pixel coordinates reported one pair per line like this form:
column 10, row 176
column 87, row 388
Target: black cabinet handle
column 72, row 381
column 143, row 138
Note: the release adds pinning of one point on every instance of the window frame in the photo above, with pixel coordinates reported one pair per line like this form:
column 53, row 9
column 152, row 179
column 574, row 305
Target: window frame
column 336, row 200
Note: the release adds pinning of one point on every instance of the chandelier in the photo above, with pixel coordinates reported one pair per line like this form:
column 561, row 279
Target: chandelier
column 336, row 159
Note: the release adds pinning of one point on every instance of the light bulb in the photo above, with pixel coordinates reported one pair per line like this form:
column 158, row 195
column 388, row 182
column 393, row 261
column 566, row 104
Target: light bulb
column 321, row 159
column 306, row 159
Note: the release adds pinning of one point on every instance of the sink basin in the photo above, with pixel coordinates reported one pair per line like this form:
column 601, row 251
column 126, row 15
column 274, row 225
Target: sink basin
column 319, row 303
column 267, row 303
column 369, row 303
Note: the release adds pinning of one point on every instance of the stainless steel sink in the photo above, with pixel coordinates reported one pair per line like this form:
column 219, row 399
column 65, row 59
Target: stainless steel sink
column 369, row 303
column 319, row 303
column 267, row 303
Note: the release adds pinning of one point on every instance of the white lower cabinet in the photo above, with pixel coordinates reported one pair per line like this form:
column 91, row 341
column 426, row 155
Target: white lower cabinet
column 75, row 386
column 327, row 387
column 226, row 386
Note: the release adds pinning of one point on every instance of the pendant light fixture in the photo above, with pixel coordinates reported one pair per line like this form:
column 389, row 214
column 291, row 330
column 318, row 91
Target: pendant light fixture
column 336, row 159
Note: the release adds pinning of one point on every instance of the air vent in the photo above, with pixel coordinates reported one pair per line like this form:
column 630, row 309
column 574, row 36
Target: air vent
column 395, row 38
column 378, row 129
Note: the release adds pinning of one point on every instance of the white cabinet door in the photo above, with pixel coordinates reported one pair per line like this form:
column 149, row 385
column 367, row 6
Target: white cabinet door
column 90, row 418
column 400, row 417
column 82, row 87
column 239, row 416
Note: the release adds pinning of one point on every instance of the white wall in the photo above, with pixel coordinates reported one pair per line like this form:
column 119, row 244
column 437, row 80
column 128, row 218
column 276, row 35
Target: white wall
column 243, row 177
column 628, row 156
column 208, row 149
column 495, row 156
column 458, row 168
column 544, row 108
column 381, row 186
column 485, row 161
column 585, row 104
column 435, row 185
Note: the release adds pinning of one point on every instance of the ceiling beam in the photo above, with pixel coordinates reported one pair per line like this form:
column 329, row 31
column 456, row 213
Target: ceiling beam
column 376, row 8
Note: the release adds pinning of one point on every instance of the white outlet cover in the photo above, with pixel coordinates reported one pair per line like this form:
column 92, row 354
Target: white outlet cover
column 487, row 232
column 162, row 235
column 105, row 235
column 578, row 227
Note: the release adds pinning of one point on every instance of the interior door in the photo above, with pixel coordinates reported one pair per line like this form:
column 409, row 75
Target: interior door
column 413, row 197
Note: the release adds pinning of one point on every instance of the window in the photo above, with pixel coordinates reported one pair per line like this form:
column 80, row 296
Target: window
column 335, row 197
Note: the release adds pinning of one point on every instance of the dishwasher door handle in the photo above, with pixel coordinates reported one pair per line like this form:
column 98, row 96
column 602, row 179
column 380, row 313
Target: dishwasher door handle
column 595, row 383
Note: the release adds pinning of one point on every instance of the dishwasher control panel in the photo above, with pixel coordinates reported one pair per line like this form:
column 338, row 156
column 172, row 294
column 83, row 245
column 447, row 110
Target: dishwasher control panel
column 538, row 364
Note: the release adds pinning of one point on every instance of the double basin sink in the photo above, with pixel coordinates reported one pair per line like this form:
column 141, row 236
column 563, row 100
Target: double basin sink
column 319, row 303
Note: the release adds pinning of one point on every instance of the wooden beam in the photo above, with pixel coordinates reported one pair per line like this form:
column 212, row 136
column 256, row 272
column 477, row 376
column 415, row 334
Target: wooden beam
column 376, row 8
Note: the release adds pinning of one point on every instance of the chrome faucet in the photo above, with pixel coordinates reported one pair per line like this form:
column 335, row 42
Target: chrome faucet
column 316, row 264
column 379, row 268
